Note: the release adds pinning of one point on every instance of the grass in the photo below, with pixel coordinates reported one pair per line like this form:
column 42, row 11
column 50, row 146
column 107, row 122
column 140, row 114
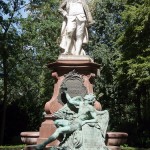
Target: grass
column 19, row 147
column 12, row 147
column 133, row 148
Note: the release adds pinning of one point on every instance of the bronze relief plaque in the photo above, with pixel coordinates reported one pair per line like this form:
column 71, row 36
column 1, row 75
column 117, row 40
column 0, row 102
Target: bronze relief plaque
column 74, row 84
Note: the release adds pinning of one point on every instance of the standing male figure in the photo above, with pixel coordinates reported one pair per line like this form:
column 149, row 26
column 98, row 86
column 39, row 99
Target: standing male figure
column 74, row 33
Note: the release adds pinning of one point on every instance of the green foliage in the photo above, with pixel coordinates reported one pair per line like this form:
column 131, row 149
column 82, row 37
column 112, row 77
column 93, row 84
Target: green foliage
column 132, row 148
column 133, row 66
column 120, row 42
column 10, row 46
column 41, row 30
column 40, row 34
column 25, row 50
column 102, row 46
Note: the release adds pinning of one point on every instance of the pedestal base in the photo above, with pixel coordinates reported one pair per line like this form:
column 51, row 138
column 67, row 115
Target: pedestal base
column 47, row 128
column 29, row 138
column 116, row 138
column 85, row 69
column 82, row 70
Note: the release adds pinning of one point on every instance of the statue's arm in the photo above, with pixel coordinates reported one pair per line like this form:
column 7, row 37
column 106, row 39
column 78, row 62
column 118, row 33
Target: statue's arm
column 75, row 100
column 62, row 9
column 88, row 13
column 67, row 96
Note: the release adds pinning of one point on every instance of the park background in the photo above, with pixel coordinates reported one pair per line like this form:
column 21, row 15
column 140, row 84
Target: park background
column 119, row 41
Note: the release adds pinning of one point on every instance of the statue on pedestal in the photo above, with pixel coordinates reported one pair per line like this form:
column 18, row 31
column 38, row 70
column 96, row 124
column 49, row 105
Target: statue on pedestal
column 77, row 17
column 77, row 113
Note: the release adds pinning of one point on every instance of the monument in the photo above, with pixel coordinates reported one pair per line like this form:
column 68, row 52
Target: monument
column 73, row 108
column 74, row 119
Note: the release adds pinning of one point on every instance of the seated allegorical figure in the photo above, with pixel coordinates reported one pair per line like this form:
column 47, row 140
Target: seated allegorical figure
column 72, row 121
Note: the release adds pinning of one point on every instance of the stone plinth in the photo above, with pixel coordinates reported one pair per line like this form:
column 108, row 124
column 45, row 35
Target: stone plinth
column 115, row 139
column 47, row 128
column 83, row 65
column 77, row 74
column 66, row 63
column 81, row 68
column 29, row 138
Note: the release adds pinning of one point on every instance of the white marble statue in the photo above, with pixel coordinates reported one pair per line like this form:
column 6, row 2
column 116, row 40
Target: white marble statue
column 77, row 17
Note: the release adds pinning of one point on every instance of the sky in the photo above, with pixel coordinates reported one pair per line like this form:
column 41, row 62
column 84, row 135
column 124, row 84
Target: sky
column 23, row 12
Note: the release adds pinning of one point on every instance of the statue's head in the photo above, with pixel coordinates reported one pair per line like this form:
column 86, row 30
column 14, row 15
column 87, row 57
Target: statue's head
column 90, row 98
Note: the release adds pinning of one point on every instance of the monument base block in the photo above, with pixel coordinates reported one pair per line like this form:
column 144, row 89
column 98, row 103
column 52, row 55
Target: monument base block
column 76, row 73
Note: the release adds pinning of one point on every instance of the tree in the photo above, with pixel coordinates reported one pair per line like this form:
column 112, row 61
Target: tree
column 120, row 42
column 41, row 30
column 102, row 47
column 134, row 66
column 9, row 39
column 25, row 51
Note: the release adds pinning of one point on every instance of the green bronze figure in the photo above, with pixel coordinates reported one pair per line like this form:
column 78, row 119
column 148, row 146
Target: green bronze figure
column 86, row 114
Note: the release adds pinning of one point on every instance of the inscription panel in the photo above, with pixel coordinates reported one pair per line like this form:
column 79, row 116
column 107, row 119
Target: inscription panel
column 75, row 87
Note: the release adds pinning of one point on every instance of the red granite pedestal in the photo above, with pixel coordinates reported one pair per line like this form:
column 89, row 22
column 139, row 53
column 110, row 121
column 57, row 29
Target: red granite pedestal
column 86, row 69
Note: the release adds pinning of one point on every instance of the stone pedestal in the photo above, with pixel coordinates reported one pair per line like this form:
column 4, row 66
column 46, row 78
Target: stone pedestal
column 77, row 74
column 115, row 139
column 29, row 137
column 68, row 70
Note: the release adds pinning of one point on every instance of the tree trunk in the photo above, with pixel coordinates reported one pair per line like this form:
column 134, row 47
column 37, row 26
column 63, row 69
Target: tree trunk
column 4, row 100
column 139, row 117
